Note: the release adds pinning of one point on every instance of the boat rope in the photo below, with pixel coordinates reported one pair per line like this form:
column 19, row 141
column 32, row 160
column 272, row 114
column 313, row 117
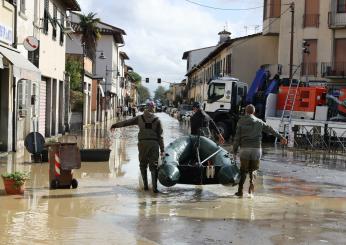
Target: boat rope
column 211, row 155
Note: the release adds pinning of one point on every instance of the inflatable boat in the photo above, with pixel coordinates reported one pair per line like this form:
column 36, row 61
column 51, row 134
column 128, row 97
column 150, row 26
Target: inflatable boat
column 197, row 160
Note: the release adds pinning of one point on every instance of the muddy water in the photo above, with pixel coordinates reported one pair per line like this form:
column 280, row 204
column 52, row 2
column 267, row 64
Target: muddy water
column 109, row 208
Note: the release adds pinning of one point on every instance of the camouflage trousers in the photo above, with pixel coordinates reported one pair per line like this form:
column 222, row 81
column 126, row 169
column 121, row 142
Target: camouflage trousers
column 149, row 151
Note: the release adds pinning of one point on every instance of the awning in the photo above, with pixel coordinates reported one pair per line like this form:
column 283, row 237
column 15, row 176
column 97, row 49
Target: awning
column 22, row 68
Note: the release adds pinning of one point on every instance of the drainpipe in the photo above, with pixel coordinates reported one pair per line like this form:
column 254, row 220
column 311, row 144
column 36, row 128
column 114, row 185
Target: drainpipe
column 15, row 41
column 14, row 118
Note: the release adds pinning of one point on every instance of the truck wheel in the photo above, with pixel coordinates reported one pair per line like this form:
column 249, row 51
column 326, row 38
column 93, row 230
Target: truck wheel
column 225, row 131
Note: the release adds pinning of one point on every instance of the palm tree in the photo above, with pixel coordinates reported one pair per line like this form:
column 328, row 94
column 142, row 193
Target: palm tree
column 90, row 33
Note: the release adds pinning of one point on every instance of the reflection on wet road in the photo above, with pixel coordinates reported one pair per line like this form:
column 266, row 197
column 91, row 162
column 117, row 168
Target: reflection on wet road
column 109, row 208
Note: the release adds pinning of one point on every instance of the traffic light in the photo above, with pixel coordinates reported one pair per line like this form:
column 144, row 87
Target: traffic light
column 147, row 80
column 306, row 46
column 159, row 80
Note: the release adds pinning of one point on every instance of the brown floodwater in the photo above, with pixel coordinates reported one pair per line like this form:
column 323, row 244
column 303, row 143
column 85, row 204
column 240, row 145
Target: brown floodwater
column 108, row 207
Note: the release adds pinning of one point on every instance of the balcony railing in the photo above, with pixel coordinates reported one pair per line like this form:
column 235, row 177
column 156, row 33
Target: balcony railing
column 336, row 20
column 309, row 69
column 333, row 69
column 311, row 20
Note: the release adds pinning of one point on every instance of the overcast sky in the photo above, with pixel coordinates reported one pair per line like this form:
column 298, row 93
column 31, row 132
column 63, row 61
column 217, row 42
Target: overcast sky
column 160, row 31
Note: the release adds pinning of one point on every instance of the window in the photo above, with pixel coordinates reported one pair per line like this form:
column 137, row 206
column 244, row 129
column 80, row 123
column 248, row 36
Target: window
column 55, row 19
column 275, row 9
column 311, row 15
column 22, row 6
column 216, row 91
column 339, row 68
column 23, row 90
column 229, row 64
column 341, row 7
column 46, row 17
column 240, row 91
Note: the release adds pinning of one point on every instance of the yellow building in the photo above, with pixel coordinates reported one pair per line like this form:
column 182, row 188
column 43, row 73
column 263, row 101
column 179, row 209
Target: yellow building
column 239, row 57
column 321, row 24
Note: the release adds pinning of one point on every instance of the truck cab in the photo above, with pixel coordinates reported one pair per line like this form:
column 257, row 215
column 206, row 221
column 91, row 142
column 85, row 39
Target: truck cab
column 225, row 98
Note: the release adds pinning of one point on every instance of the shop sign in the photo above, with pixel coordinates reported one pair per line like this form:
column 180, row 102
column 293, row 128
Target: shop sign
column 6, row 34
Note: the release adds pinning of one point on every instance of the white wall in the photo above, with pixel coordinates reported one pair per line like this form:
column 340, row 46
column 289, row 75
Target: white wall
column 196, row 56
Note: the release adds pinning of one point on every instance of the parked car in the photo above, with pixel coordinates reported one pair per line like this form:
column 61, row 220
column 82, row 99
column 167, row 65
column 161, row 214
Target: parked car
column 168, row 109
column 183, row 108
column 173, row 111
column 141, row 107
column 158, row 107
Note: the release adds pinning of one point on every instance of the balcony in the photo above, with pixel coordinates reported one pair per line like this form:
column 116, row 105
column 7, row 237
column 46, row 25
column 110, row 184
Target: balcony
column 311, row 20
column 336, row 20
column 333, row 69
column 309, row 69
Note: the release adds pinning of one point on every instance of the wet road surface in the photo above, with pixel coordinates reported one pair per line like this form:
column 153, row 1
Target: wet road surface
column 108, row 207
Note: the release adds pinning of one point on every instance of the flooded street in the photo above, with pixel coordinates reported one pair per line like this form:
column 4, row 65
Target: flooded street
column 294, row 203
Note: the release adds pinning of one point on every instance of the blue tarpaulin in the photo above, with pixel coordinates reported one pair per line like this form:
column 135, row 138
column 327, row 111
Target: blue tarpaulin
column 273, row 86
column 256, row 84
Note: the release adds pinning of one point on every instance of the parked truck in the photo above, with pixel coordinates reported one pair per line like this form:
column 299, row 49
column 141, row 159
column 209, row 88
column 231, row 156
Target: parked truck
column 301, row 108
column 225, row 100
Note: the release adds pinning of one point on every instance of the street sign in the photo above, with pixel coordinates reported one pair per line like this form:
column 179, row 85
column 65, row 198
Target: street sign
column 30, row 43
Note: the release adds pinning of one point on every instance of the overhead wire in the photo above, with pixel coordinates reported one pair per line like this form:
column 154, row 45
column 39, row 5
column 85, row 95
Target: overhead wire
column 265, row 27
column 225, row 9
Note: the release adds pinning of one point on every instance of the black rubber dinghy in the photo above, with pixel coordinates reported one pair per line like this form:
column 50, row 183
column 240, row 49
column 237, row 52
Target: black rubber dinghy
column 197, row 160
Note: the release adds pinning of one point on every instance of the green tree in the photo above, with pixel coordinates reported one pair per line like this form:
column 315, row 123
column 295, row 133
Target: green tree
column 90, row 33
column 159, row 93
column 135, row 76
column 74, row 68
column 143, row 93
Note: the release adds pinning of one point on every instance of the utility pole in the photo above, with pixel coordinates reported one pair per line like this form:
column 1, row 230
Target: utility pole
column 292, row 39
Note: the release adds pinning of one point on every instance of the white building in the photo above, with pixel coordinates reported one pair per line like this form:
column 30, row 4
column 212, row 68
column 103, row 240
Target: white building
column 109, row 66
column 45, row 20
column 39, row 92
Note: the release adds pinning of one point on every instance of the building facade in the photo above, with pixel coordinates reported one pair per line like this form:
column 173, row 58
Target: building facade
column 19, row 81
column 321, row 24
column 239, row 57
column 44, row 20
column 107, row 63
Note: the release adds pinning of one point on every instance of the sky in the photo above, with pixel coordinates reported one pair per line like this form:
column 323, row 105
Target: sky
column 160, row 31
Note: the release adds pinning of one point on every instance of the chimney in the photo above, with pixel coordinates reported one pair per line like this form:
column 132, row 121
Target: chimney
column 224, row 36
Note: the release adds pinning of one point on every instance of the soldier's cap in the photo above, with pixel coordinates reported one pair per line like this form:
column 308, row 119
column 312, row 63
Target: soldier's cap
column 196, row 105
column 150, row 104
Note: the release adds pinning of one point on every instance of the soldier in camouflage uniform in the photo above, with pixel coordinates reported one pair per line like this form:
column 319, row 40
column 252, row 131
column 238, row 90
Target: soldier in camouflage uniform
column 150, row 142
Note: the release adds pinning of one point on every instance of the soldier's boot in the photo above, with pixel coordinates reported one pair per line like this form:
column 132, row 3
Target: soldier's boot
column 154, row 174
column 239, row 193
column 145, row 178
column 252, row 186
